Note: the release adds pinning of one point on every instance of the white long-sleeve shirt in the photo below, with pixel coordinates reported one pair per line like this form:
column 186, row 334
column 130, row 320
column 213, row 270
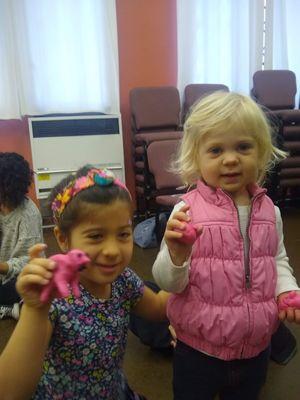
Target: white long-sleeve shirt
column 173, row 278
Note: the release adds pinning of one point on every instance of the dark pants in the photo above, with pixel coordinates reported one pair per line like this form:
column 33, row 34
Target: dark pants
column 283, row 345
column 8, row 293
column 197, row 376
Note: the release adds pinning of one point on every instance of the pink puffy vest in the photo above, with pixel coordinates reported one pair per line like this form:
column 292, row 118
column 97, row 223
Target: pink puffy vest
column 228, row 310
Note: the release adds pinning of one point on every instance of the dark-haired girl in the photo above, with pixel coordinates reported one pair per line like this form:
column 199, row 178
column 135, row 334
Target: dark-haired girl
column 76, row 345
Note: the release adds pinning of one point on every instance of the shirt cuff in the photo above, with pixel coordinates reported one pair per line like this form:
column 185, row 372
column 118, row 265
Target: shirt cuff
column 186, row 264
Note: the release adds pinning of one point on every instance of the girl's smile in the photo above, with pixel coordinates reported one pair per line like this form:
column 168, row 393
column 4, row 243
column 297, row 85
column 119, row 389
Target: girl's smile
column 231, row 177
column 106, row 269
column 105, row 235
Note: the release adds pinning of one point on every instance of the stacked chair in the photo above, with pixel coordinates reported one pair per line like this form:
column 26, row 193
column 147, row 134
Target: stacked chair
column 155, row 117
column 276, row 90
column 168, row 185
column 195, row 91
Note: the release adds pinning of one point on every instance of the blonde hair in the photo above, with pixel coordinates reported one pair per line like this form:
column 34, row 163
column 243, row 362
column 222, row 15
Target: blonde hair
column 224, row 112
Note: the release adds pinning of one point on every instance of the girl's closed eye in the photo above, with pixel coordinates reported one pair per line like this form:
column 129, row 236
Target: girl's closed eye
column 125, row 235
column 95, row 236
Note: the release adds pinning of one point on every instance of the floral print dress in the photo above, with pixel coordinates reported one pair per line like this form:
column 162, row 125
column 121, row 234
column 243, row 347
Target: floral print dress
column 85, row 354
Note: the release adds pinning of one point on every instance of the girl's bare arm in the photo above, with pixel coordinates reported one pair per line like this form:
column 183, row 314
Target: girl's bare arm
column 152, row 305
column 22, row 360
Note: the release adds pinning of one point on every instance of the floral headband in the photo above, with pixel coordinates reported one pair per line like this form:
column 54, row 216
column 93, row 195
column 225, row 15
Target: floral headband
column 100, row 177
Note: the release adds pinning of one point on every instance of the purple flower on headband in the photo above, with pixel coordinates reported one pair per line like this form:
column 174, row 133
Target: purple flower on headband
column 55, row 205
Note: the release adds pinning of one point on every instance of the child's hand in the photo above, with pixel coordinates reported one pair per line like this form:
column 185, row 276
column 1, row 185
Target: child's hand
column 179, row 251
column 34, row 276
column 292, row 314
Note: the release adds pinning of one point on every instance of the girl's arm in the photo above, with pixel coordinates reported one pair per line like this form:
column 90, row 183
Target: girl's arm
column 169, row 276
column 22, row 360
column 152, row 305
column 285, row 278
column 286, row 281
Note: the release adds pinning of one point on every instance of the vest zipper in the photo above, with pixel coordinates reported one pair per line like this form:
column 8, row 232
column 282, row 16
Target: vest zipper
column 247, row 267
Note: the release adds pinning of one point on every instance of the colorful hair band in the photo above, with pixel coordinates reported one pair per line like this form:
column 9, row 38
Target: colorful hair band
column 95, row 176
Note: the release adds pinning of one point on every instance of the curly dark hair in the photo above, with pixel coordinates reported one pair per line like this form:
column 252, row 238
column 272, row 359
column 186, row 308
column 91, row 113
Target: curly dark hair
column 15, row 179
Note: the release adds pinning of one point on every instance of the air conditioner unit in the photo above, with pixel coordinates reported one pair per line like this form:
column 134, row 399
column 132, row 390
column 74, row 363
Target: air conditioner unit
column 62, row 144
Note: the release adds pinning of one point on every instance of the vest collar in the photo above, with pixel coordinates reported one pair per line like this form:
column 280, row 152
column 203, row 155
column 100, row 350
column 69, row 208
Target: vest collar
column 220, row 198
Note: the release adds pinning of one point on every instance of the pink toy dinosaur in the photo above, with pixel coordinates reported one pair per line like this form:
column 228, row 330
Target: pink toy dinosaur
column 291, row 300
column 189, row 234
column 65, row 274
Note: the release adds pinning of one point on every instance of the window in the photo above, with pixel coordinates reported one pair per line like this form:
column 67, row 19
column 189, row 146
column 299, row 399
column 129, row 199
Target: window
column 226, row 41
column 58, row 56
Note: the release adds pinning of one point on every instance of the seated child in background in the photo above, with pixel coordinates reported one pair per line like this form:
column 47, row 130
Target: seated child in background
column 76, row 345
column 20, row 227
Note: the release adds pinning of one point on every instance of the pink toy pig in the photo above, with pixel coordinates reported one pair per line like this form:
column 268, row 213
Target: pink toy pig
column 65, row 274
column 291, row 300
column 189, row 234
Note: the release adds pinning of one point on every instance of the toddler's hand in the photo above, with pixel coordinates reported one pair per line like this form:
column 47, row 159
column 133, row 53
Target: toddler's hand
column 291, row 313
column 34, row 276
column 189, row 234
column 179, row 250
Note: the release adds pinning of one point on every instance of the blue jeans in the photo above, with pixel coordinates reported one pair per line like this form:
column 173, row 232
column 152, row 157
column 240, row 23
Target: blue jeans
column 197, row 376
